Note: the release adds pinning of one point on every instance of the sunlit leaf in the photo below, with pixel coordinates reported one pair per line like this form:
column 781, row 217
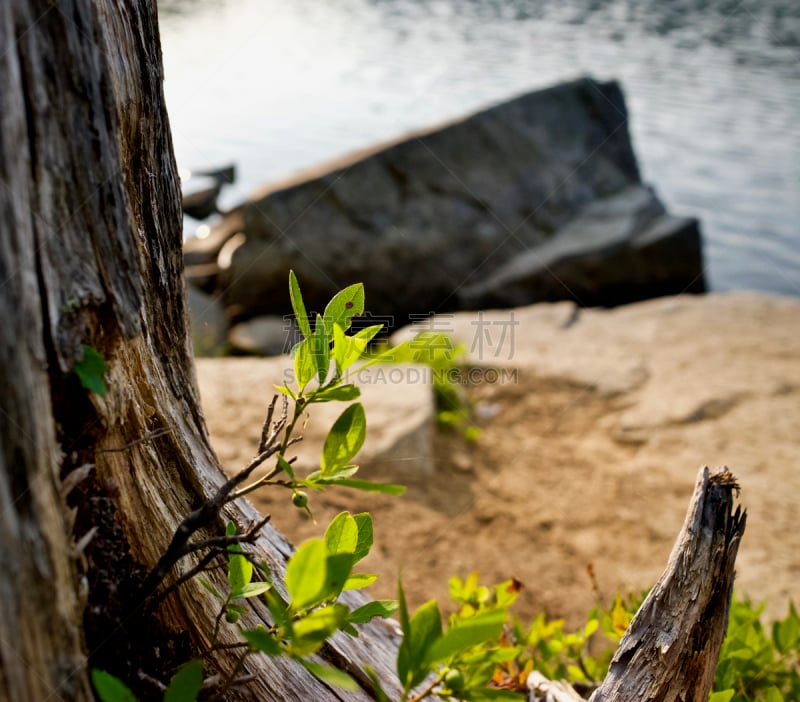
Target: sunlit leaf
column 331, row 676
column 306, row 574
column 285, row 390
column 368, row 486
column 321, row 350
column 338, row 393
column 363, row 522
column 425, row 629
column 311, row 631
column 305, row 364
column 345, row 305
column 250, row 590
column 345, row 439
column 298, row 306
column 357, row 581
column 346, row 349
column 376, row 608
column 467, row 633
column 338, row 571
column 263, row 641
column 341, row 536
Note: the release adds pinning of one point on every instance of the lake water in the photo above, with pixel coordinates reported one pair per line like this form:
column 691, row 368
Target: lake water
column 713, row 90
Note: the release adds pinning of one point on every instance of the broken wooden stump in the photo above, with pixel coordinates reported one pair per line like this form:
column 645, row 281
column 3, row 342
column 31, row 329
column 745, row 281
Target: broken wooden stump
column 671, row 648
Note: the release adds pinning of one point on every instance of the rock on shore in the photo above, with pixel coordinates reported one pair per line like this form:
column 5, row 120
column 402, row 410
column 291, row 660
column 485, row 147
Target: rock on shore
column 539, row 198
column 590, row 444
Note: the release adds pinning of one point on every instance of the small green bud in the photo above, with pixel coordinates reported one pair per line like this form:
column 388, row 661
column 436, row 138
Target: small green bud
column 454, row 679
column 231, row 616
column 300, row 499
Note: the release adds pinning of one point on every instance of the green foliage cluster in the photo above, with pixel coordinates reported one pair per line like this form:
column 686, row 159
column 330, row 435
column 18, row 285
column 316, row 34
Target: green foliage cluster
column 457, row 661
column 446, row 361
column 754, row 666
column 580, row 657
column 479, row 653
column 184, row 686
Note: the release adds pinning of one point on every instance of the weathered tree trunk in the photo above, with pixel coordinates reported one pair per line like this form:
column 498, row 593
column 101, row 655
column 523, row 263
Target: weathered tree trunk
column 91, row 255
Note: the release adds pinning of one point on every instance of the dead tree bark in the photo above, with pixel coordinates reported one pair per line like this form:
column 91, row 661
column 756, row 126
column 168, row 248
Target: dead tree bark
column 672, row 646
column 90, row 254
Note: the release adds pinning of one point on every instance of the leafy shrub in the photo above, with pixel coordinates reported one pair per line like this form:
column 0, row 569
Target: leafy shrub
column 754, row 666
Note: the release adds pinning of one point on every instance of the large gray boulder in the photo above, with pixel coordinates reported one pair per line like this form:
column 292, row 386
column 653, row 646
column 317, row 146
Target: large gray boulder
column 420, row 219
column 618, row 249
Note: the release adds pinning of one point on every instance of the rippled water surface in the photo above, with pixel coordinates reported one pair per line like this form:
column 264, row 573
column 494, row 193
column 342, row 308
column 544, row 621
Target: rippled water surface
column 713, row 88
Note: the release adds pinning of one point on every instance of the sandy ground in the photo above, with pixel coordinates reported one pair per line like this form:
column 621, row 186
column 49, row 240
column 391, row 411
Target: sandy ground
column 567, row 474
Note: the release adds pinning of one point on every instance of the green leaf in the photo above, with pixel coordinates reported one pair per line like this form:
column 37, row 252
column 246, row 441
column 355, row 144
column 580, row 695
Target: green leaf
column 425, row 629
column 341, row 536
column 345, row 439
column 307, row 573
column 404, row 651
column 110, row 689
column 286, row 467
column 376, row 608
column 339, row 567
column 331, row 676
column 321, row 348
column 339, row 393
column 298, row 306
column 363, row 522
column 786, row 633
column 278, row 608
column 186, row 683
column 773, row 694
column 333, row 477
column 343, row 307
column 368, row 333
column 263, row 641
column 357, row 581
column 285, row 390
column 346, row 349
column 90, row 371
column 467, row 633
column 380, row 694
column 208, row 586
column 721, row 696
column 240, row 572
column 305, row 365
column 366, row 486
column 311, row 631
column 250, row 590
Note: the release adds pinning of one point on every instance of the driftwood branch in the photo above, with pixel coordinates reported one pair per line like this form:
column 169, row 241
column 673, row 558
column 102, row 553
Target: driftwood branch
column 209, row 510
column 541, row 689
column 670, row 651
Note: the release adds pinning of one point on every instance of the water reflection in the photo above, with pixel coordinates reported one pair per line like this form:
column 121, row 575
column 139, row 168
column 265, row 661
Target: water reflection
column 713, row 89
